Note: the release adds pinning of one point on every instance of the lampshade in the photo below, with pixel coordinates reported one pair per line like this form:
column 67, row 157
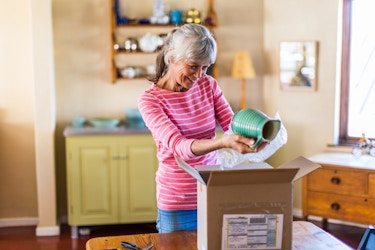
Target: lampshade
column 243, row 66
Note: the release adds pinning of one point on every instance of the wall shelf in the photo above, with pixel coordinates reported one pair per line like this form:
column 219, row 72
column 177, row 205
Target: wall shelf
column 120, row 58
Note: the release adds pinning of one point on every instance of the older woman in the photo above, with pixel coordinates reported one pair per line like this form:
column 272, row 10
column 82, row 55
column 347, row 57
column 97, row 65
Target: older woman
column 182, row 109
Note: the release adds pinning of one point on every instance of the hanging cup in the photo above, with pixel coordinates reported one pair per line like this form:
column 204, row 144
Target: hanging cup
column 253, row 123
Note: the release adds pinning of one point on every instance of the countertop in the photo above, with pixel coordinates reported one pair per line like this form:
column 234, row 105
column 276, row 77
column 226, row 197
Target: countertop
column 344, row 159
column 89, row 130
column 119, row 130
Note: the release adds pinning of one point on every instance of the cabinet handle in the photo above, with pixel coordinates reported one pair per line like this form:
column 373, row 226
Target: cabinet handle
column 335, row 180
column 115, row 157
column 123, row 156
column 335, row 206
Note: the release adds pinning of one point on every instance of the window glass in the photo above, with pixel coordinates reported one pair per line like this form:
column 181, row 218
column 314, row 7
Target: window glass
column 361, row 100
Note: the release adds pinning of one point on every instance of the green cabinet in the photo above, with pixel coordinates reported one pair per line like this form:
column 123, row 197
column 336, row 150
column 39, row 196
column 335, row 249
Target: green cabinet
column 110, row 179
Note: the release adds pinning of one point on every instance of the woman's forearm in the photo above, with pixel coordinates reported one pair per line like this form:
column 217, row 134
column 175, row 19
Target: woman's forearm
column 201, row 147
column 236, row 142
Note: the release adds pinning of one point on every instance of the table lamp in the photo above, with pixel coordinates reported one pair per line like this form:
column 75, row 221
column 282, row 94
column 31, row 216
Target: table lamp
column 243, row 69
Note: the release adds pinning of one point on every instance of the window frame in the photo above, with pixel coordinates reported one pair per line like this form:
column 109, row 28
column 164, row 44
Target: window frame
column 344, row 139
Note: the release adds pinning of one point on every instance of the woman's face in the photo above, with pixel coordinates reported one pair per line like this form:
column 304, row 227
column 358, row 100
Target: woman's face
column 186, row 73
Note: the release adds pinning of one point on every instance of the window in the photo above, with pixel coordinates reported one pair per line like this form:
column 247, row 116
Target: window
column 357, row 105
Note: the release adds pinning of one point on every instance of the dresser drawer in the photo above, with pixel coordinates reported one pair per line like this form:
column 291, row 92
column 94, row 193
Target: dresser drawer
column 338, row 181
column 342, row 207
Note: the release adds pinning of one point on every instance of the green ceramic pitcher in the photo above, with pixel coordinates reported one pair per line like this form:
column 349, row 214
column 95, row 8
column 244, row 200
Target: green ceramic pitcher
column 253, row 123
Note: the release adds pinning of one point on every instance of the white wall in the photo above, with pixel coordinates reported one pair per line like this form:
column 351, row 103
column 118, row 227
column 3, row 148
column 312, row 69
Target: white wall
column 44, row 116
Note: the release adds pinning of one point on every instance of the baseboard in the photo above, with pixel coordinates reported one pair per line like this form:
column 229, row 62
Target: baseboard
column 47, row 231
column 298, row 214
column 17, row 222
column 32, row 221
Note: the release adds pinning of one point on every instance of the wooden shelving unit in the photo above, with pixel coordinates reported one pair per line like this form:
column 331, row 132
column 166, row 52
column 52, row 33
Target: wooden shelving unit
column 119, row 32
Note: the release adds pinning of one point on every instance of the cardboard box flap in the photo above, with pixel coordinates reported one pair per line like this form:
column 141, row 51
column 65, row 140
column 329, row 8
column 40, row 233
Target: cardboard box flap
column 247, row 166
column 190, row 170
column 256, row 173
column 202, row 173
column 251, row 176
column 303, row 165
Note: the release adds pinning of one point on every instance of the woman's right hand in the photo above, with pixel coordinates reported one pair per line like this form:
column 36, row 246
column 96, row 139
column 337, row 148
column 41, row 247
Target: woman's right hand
column 241, row 144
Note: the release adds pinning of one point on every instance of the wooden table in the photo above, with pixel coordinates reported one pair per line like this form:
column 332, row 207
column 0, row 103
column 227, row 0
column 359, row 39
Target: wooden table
column 306, row 236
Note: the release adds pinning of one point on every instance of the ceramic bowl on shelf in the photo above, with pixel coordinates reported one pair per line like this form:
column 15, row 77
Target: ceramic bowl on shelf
column 78, row 122
column 104, row 122
column 150, row 42
column 133, row 118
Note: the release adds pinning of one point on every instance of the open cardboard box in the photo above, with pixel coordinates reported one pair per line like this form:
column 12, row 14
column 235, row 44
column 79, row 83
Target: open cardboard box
column 248, row 206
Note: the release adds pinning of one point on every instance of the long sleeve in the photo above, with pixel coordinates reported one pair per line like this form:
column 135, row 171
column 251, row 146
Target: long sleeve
column 175, row 120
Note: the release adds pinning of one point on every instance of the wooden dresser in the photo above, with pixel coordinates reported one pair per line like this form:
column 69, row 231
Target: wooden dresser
column 343, row 189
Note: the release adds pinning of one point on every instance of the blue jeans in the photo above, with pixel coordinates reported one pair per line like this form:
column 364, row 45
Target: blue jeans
column 176, row 220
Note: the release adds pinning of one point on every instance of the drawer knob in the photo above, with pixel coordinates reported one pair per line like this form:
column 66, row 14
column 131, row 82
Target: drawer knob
column 335, row 206
column 335, row 180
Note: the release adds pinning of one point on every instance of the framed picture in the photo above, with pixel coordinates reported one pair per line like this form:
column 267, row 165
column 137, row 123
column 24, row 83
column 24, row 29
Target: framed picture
column 298, row 65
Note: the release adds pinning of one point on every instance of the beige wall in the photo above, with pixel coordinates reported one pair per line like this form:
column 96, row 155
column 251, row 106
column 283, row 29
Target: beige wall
column 27, row 116
column 82, row 71
column 17, row 151
column 308, row 116
column 82, row 47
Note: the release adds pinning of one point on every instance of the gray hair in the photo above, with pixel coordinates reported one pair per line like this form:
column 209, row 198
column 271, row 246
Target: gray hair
column 190, row 42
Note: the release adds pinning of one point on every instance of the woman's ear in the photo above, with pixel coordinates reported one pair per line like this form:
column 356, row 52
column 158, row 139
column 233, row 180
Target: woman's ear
column 171, row 59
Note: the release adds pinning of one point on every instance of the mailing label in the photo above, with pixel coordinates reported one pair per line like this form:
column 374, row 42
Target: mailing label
column 252, row 231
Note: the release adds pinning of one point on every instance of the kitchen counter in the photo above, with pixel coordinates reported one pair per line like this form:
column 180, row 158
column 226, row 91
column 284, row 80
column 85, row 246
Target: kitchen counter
column 89, row 130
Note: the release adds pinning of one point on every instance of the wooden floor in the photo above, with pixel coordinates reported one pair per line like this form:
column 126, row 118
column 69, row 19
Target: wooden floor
column 14, row 238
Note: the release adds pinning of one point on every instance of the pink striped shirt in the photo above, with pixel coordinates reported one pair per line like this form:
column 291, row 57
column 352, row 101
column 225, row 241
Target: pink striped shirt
column 175, row 120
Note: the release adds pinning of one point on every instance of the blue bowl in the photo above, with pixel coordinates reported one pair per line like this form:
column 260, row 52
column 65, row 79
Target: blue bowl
column 133, row 118
column 78, row 122
column 104, row 122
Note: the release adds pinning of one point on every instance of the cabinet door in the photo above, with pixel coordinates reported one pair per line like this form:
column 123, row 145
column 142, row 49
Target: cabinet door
column 92, row 169
column 137, row 172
